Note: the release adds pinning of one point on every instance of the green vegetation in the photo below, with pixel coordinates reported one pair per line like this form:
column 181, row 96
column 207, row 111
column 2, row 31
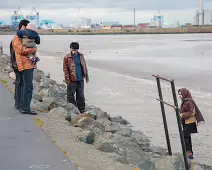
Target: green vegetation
column 5, row 83
column 39, row 122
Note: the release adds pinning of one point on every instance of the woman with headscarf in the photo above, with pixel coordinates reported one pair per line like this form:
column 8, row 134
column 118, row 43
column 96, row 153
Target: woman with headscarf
column 190, row 116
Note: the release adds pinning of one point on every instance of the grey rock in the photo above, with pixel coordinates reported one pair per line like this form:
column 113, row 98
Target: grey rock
column 58, row 102
column 157, row 150
column 119, row 119
column 37, row 78
column 63, row 86
column 112, row 127
column 107, row 146
column 44, row 83
column 125, row 132
column 53, row 91
column 204, row 167
column 109, row 126
column 97, row 112
column 39, row 106
column 48, row 100
column 8, row 69
column 38, row 75
column 37, row 97
column 140, row 137
column 90, row 124
column 61, row 112
column 127, row 148
column 102, row 137
column 81, row 117
column 68, row 118
column 72, row 108
column 73, row 115
column 43, row 92
column 100, row 114
column 52, row 82
column 56, row 91
column 147, row 165
column 174, row 162
column 86, row 137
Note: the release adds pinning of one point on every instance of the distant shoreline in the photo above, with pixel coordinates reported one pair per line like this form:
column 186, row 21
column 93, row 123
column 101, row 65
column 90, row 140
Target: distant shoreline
column 116, row 33
column 183, row 30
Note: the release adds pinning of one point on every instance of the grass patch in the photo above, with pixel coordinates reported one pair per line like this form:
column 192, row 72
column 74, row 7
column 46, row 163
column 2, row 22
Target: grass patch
column 12, row 91
column 4, row 82
column 64, row 151
column 39, row 122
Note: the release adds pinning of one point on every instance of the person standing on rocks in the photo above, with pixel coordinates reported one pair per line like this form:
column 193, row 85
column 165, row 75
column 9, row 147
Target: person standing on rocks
column 24, row 72
column 75, row 71
column 190, row 116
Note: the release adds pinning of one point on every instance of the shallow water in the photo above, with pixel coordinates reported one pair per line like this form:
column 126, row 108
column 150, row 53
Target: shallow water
column 120, row 70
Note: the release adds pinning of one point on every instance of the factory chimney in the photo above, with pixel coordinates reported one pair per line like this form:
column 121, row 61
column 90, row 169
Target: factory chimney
column 201, row 13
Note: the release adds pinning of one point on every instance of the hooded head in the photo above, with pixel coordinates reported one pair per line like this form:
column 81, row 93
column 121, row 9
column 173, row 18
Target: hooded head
column 31, row 26
column 184, row 93
column 188, row 104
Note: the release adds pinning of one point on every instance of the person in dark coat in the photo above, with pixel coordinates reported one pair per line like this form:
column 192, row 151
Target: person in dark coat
column 190, row 116
column 75, row 71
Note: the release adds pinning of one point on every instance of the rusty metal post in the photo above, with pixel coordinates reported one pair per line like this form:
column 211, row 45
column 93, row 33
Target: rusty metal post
column 180, row 126
column 164, row 116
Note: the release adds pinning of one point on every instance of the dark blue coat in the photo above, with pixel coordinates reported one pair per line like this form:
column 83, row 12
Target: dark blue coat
column 31, row 34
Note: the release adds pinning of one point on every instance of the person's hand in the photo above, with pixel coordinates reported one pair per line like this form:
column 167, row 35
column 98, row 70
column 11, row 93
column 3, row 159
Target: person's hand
column 181, row 115
column 34, row 50
column 87, row 78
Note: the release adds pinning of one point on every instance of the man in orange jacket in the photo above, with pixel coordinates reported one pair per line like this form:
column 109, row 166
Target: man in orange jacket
column 24, row 74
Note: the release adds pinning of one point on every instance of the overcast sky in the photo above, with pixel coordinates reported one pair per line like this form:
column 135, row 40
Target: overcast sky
column 64, row 11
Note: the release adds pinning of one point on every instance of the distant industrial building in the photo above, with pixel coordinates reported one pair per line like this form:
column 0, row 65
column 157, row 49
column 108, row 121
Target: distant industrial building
column 202, row 16
column 206, row 18
column 157, row 21
column 85, row 22
column 110, row 23
column 129, row 27
column 143, row 25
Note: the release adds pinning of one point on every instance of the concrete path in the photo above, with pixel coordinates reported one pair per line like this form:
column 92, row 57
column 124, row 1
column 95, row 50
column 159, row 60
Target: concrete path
column 23, row 145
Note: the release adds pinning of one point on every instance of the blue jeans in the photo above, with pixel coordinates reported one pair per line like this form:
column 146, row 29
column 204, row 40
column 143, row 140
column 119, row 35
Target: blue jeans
column 24, row 90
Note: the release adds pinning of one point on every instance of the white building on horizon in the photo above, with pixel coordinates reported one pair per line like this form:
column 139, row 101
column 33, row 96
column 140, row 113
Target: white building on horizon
column 207, row 17
column 85, row 22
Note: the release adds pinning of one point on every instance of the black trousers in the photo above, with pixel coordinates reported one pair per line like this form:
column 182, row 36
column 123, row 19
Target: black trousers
column 78, row 89
column 188, row 142
column 188, row 129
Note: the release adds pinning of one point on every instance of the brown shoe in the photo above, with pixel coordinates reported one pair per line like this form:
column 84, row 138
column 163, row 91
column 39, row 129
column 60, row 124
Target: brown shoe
column 190, row 155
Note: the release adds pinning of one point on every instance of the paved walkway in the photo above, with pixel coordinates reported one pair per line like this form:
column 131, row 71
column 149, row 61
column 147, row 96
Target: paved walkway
column 23, row 145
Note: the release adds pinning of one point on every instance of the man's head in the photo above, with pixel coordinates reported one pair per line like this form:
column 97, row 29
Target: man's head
column 23, row 23
column 74, row 46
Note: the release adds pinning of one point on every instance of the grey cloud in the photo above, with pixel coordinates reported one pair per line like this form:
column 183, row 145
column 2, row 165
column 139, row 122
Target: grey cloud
column 120, row 4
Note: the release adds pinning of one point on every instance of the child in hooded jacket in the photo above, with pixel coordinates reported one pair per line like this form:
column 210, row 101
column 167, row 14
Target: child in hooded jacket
column 30, row 39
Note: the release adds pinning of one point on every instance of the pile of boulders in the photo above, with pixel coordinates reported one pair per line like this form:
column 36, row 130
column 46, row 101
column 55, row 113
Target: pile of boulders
column 106, row 133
